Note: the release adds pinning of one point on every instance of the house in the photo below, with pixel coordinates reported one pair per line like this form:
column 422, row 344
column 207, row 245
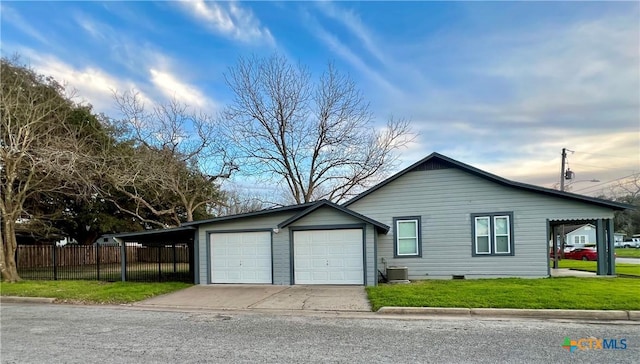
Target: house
column 578, row 235
column 439, row 217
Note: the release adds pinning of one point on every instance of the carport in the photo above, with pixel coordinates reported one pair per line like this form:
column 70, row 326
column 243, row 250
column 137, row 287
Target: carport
column 158, row 255
column 606, row 264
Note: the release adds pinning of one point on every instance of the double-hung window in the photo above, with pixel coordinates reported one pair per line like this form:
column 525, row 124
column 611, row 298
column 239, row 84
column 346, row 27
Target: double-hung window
column 579, row 239
column 492, row 234
column 407, row 240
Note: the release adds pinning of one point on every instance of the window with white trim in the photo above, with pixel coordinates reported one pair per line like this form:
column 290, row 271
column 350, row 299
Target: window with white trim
column 492, row 234
column 407, row 237
column 579, row 239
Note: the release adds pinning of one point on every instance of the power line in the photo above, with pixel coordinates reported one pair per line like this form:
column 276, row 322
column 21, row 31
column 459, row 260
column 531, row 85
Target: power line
column 606, row 155
column 609, row 168
column 604, row 183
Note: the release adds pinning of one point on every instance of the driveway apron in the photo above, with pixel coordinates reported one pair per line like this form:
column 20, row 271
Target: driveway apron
column 265, row 297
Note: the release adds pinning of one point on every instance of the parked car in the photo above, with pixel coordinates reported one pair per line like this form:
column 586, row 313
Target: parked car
column 633, row 243
column 582, row 254
column 578, row 253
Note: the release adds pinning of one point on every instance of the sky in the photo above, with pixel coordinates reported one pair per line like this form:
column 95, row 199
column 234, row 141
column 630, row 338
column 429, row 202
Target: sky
column 502, row 86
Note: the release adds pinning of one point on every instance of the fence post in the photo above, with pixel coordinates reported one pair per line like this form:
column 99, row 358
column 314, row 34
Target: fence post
column 55, row 264
column 159, row 263
column 98, row 261
column 174, row 257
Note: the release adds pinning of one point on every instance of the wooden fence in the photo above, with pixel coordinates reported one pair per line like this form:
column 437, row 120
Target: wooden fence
column 150, row 254
column 40, row 256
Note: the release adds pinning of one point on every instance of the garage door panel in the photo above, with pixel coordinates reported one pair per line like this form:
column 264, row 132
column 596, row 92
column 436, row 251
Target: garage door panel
column 243, row 257
column 336, row 257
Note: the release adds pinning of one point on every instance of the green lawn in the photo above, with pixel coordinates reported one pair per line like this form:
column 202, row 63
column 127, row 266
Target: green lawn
column 621, row 268
column 90, row 291
column 559, row 293
column 627, row 253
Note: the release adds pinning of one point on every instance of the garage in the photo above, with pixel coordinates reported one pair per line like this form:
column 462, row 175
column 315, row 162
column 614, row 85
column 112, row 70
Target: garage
column 328, row 256
column 241, row 257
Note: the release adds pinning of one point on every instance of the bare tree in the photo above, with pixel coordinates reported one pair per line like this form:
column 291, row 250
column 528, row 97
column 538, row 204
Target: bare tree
column 317, row 138
column 177, row 160
column 236, row 202
column 627, row 191
column 40, row 151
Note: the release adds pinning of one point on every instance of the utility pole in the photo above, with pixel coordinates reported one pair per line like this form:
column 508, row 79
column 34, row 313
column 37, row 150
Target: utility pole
column 562, row 234
column 564, row 158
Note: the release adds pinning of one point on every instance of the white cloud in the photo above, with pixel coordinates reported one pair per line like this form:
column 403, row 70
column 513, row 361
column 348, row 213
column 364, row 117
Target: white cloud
column 230, row 20
column 93, row 85
column 172, row 87
column 352, row 21
column 343, row 51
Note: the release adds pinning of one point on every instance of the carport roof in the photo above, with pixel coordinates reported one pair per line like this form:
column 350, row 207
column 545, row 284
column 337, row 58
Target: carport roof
column 380, row 227
column 183, row 234
column 250, row 214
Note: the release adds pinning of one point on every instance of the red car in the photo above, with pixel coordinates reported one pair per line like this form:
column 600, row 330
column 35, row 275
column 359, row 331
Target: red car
column 582, row 254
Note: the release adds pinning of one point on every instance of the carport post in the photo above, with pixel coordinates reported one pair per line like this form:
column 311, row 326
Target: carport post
column 554, row 239
column 601, row 247
column 611, row 251
column 123, row 259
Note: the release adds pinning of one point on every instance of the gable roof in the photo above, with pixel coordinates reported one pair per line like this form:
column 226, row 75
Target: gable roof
column 250, row 214
column 380, row 227
column 437, row 160
column 571, row 228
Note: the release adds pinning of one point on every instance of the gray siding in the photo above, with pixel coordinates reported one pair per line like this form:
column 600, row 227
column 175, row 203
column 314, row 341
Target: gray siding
column 444, row 199
column 280, row 243
column 326, row 216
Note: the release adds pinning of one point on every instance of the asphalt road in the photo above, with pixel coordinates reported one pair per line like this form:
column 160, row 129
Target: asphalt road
column 628, row 260
column 93, row 334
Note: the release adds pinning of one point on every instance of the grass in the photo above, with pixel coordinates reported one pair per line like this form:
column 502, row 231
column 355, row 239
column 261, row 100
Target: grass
column 628, row 253
column 90, row 291
column 621, row 268
column 558, row 293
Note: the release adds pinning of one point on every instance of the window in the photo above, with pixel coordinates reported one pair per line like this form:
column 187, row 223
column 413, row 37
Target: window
column 407, row 240
column 580, row 239
column 492, row 234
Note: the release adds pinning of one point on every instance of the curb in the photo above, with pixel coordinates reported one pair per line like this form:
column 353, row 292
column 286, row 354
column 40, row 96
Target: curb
column 18, row 299
column 508, row 312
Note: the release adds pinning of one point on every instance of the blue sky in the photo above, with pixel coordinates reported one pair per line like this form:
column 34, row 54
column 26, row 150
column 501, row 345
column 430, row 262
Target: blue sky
column 503, row 86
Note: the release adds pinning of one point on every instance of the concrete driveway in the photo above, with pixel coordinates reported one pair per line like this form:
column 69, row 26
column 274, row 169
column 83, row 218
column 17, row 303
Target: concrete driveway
column 263, row 297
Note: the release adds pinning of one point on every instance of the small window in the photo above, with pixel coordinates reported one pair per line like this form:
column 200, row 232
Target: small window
column 407, row 237
column 580, row 239
column 482, row 235
column 492, row 234
column 501, row 235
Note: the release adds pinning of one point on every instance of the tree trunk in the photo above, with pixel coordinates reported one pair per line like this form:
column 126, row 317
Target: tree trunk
column 7, row 260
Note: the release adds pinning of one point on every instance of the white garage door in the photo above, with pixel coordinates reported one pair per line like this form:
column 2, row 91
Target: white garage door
column 328, row 257
column 241, row 257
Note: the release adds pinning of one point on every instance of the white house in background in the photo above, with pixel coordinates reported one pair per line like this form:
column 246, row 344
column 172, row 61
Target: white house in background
column 618, row 237
column 579, row 234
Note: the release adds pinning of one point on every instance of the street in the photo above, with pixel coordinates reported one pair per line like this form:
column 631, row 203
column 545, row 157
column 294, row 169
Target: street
column 628, row 260
column 92, row 334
